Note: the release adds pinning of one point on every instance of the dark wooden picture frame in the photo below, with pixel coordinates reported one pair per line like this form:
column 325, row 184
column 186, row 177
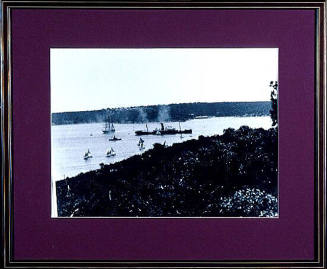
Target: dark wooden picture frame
column 18, row 235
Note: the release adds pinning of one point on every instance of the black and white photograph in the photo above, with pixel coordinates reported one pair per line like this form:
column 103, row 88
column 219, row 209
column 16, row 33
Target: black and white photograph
column 164, row 132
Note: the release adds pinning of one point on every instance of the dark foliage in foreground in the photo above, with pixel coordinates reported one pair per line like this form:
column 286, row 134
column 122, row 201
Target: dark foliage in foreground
column 234, row 174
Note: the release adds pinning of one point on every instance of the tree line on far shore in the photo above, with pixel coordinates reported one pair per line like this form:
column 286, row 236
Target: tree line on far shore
column 171, row 112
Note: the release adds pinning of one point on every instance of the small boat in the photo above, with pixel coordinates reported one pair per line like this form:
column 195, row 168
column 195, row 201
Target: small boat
column 140, row 144
column 87, row 155
column 110, row 153
column 114, row 139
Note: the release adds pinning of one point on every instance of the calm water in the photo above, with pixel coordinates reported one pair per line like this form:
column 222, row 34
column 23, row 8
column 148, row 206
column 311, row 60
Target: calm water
column 70, row 142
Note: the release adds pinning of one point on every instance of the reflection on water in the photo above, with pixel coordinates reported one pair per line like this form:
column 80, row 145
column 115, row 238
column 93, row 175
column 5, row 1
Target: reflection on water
column 70, row 142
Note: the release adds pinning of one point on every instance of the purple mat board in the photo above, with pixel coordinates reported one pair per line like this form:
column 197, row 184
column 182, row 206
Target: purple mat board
column 37, row 236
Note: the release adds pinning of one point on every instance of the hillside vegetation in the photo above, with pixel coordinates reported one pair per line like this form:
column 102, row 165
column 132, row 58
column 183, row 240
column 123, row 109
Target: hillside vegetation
column 172, row 112
column 233, row 174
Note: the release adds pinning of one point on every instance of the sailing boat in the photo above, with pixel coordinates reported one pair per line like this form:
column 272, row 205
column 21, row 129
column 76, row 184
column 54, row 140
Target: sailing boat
column 108, row 126
column 141, row 144
column 111, row 153
column 87, row 155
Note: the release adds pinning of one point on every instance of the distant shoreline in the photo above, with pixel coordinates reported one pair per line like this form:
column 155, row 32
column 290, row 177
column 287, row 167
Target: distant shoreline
column 209, row 117
column 162, row 113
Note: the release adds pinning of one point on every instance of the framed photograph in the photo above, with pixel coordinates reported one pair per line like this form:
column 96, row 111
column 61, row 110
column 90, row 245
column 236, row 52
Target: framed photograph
column 163, row 134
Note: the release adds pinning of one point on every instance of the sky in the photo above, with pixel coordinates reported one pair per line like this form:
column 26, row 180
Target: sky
column 89, row 79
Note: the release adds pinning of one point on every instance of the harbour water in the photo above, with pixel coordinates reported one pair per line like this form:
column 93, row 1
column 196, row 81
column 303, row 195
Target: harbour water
column 70, row 142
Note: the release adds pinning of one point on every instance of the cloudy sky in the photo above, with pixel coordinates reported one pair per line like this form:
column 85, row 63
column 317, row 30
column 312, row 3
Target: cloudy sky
column 87, row 79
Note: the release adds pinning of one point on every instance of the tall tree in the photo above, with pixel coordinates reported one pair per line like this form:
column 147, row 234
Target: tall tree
column 274, row 102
